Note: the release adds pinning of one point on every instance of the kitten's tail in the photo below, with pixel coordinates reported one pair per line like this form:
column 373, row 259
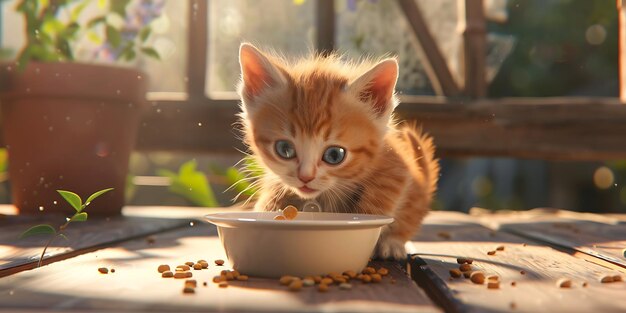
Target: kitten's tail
column 427, row 171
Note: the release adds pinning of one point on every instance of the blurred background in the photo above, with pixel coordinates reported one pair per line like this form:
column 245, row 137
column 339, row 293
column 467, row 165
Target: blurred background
column 534, row 48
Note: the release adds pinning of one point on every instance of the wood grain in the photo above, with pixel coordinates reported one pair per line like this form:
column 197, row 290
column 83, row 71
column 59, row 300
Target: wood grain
column 75, row 284
column 23, row 254
column 535, row 290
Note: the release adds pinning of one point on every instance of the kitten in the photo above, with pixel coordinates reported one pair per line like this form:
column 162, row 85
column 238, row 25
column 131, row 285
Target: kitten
column 324, row 130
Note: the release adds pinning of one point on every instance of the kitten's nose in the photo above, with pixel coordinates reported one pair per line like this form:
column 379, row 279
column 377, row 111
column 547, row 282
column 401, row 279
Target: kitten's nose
column 305, row 178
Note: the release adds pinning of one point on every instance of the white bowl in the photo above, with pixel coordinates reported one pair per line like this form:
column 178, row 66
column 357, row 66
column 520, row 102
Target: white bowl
column 311, row 244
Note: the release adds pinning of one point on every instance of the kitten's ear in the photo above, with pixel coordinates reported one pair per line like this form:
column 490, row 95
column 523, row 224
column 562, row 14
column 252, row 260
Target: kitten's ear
column 377, row 86
column 257, row 71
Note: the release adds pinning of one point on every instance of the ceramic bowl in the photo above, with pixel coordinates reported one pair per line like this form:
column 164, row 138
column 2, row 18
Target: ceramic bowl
column 311, row 244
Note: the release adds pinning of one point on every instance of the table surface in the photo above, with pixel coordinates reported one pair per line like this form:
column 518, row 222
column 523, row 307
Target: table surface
column 540, row 247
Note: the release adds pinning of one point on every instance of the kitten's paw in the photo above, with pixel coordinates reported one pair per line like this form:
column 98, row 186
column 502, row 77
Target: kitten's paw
column 390, row 248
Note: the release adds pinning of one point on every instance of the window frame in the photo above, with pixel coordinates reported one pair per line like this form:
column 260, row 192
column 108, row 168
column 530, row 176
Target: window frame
column 462, row 121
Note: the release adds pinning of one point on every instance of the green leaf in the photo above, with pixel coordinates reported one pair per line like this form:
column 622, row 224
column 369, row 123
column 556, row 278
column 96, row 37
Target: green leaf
column 97, row 194
column 145, row 33
column 79, row 217
column 78, row 9
column 191, row 185
column 73, row 199
column 113, row 36
column 38, row 230
column 151, row 52
column 236, row 179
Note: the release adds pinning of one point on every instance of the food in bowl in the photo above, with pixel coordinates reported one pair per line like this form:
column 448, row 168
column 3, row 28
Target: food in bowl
column 313, row 243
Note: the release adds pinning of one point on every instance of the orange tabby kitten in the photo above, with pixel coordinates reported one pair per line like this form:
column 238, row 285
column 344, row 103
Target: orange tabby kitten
column 324, row 130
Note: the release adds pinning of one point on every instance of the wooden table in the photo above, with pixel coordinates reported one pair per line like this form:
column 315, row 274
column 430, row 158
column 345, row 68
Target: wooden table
column 540, row 247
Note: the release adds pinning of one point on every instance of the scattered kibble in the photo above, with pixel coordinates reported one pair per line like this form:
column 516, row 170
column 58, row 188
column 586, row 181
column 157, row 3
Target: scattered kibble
column 376, row 278
column 493, row 285
column 197, row 266
column 366, row 278
column 183, row 267
column 204, row 284
column 242, row 277
column 327, row 281
column 383, row 271
column 204, row 264
column 279, row 218
column 491, row 252
column 190, row 264
column 606, row 279
column 564, row 283
column 465, row 267
column 339, row 279
column 393, row 281
column 295, row 285
column 322, row 287
column 369, row 270
column 455, row 273
column 345, row 286
column 223, row 284
column 444, row 235
column 585, row 284
column 150, row 240
column 112, row 270
column 167, row 274
column 217, row 279
column 493, row 278
column 189, row 290
column 523, row 272
column 352, row 274
column 617, row 278
column 180, row 275
column 290, row 212
column 513, row 284
column 524, row 244
column 103, row 270
column 191, row 283
column 500, row 248
column 512, row 305
column 467, row 274
column 286, row 280
column 464, row 261
column 478, row 277
column 219, row 262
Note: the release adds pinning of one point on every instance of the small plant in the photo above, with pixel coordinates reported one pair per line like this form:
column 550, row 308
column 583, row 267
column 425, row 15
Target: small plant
column 191, row 184
column 80, row 216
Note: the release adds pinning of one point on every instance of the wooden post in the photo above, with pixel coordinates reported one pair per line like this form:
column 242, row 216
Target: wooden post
column 472, row 27
column 434, row 63
column 621, row 11
column 325, row 24
column 197, row 46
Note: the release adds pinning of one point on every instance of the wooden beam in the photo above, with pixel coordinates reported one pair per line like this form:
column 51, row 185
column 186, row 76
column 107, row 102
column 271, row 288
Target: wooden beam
column 538, row 128
column 621, row 8
column 434, row 63
column 325, row 25
column 472, row 26
column 197, row 43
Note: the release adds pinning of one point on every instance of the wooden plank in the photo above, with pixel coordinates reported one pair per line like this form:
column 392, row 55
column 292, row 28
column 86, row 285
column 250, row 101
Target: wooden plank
column 136, row 285
column 23, row 254
column 534, row 291
column 603, row 238
column 547, row 128
column 434, row 63
column 473, row 28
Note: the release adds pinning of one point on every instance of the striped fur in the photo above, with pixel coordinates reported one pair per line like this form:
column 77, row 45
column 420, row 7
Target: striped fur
column 319, row 102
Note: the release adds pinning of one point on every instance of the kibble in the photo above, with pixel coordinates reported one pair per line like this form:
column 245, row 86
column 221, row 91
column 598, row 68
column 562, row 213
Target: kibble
column 500, row 248
column 223, row 284
column 190, row 264
column 103, row 270
column 167, row 274
column 112, row 270
column 464, row 261
column 493, row 278
column 366, row 278
column 351, row 274
column 585, row 284
column 376, row 278
column 235, row 273
column 513, row 284
column 326, row 281
column 523, row 272
column 229, row 276
column 465, row 267
column 295, row 285
column 317, row 279
column 369, row 270
column 455, row 273
column 182, row 275
column 191, row 283
column 242, row 277
column 383, row 271
column 286, row 280
column 339, row 279
column 615, row 277
column 491, row 252
column 478, row 277
column 279, row 218
column 444, row 235
column 493, row 285
column 322, row 287
column 290, row 212
column 467, row 274
column 197, row 266
column 217, row 279
column 184, row 267
column 308, row 282
column 219, row 262
column 189, row 290
column 393, row 281
column 201, row 261
column 564, row 283
column 204, row 264
column 606, row 279
column 345, row 286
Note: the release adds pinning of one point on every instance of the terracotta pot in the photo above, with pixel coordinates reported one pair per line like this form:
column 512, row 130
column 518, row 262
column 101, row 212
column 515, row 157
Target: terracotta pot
column 69, row 126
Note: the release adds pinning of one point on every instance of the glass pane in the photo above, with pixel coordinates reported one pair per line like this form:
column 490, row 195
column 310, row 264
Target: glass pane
column 167, row 20
column 379, row 28
column 285, row 26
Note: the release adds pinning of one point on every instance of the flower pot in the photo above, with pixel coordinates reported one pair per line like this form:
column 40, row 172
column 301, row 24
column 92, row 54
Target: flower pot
column 69, row 126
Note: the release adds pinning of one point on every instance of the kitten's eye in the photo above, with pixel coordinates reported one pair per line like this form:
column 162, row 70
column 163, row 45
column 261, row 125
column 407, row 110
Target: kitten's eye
column 285, row 149
column 334, row 155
